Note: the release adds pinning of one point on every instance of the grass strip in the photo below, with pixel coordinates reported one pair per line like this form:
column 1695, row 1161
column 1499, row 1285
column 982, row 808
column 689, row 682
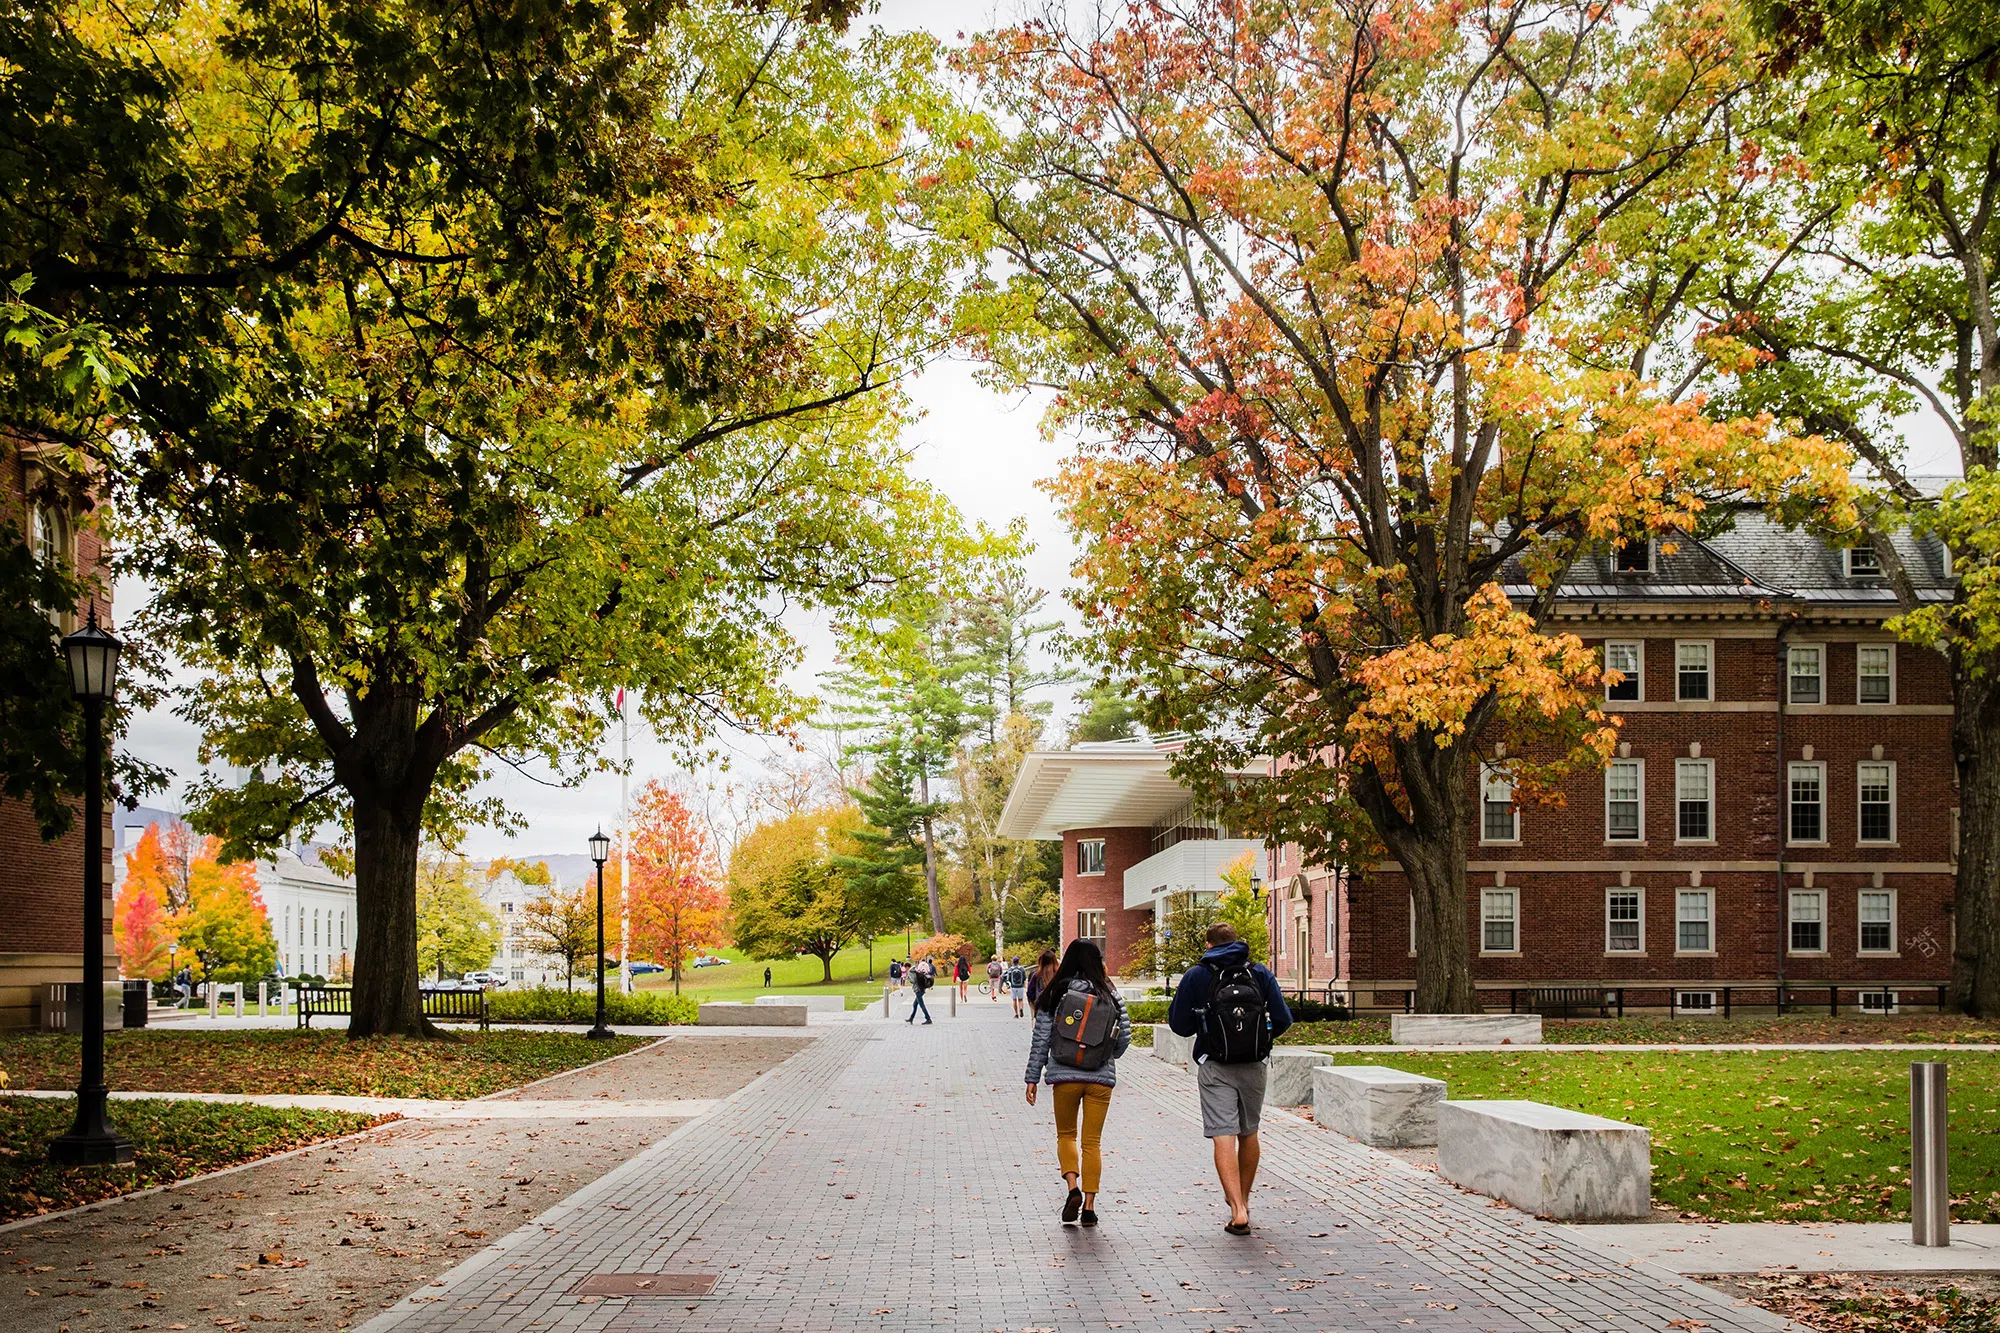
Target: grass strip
column 1642, row 1030
column 290, row 1061
column 1749, row 1136
column 174, row 1140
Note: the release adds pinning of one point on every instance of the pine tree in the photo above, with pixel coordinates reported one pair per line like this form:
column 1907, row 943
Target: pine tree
column 882, row 876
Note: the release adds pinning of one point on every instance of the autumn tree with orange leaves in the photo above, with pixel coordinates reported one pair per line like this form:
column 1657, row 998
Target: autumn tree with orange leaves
column 678, row 903
column 1373, row 316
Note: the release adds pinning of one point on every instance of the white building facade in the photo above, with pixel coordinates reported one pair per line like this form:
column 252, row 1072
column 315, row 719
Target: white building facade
column 313, row 915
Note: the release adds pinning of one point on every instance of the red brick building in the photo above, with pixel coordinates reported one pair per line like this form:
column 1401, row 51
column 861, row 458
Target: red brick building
column 1780, row 810
column 41, row 904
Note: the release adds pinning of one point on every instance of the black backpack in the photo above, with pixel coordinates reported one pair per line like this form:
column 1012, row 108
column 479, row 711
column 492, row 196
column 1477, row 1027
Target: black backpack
column 1235, row 1029
column 1086, row 1025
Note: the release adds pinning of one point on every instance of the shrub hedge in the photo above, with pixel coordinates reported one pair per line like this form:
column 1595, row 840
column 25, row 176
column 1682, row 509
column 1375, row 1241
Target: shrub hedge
column 545, row 1004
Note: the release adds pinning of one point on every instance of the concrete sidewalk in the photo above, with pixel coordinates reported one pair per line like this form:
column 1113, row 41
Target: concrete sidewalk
column 1809, row 1247
column 414, row 1108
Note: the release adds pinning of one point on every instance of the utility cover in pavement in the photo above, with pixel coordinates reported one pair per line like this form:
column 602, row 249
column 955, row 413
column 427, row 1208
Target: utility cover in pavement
column 645, row 1284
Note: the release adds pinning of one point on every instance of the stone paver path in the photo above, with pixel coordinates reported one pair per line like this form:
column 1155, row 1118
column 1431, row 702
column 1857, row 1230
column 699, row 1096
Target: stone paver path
column 892, row 1178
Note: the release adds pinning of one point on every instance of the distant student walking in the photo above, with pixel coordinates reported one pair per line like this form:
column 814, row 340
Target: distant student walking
column 993, row 971
column 921, row 977
column 1081, row 1028
column 1234, row 1010
column 1017, row 985
column 963, row 972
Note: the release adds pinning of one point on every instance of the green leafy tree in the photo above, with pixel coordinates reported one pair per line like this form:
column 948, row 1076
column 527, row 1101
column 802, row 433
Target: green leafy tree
column 788, row 895
column 884, row 869
column 527, row 482
column 561, row 923
column 1870, row 309
column 1105, row 714
column 1240, row 906
column 456, row 932
column 1177, row 941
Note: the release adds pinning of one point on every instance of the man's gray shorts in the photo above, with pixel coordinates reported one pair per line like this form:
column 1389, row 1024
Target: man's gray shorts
column 1232, row 1097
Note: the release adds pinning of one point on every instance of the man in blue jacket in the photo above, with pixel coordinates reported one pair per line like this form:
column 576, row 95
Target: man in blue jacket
column 1232, row 1095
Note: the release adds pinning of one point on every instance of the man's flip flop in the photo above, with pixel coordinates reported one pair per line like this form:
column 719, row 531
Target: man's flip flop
column 1237, row 1228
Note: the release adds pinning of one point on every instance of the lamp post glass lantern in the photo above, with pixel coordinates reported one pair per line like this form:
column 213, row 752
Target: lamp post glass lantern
column 600, row 852
column 93, row 673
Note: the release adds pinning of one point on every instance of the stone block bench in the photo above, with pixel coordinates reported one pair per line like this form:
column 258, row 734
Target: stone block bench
column 1175, row 1050
column 1289, row 1079
column 817, row 1004
column 718, row 1014
column 1382, row 1107
column 1547, row 1160
column 1465, row 1029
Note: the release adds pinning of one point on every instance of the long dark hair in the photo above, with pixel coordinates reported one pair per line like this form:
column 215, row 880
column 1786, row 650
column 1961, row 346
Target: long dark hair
column 1080, row 959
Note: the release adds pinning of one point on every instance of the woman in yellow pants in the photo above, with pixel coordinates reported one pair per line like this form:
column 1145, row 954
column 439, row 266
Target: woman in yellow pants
column 1076, row 1049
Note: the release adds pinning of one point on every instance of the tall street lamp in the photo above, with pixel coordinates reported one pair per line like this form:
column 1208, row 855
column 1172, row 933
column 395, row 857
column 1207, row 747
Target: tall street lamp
column 600, row 851
column 93, row 675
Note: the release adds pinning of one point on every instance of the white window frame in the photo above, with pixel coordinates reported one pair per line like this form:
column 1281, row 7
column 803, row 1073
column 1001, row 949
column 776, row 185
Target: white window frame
column 1681, row 896
column 1707, row 646
column 1413, row 925
column 1083, row 914
column 1791, row 768
column 1618, row 550
column 1493, row 778
column 1640, row 765
column 1707, row 766
column 1885, row 1002
column 1889, row 702
column 1847, row 563
column 1895, row 829
column 1860, row 947
column 1512, row 898
column 1792, row 921
column 1792, row 651
column 1082, row 843
column 1638, row 894
column 1332, row 926
column 1636, row 678
column 1681, row 1005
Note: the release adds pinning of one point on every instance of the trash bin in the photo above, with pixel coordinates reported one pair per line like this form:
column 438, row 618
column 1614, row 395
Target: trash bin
column 138, row 999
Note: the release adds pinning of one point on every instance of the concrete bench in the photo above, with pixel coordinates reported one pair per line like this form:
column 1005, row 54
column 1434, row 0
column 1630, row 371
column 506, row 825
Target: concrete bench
column 1382, row 1107
column 1289, row 1078
column 1175, row 1050
column 718, row 1014
column 817, row 1004
column 1465, row 1029
column 1548, row 1161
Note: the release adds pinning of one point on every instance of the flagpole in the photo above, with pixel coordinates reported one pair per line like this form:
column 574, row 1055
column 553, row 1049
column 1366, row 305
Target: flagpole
column 624, row 845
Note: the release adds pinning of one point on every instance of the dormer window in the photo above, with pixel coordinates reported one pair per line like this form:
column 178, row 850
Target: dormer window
column 1633, row 557
column 1863, row 563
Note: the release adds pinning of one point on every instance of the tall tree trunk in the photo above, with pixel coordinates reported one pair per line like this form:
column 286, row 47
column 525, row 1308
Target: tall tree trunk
column 1430, row 843
column 387, row 998
column 1975, row 959
column 826, row 968
column 930, row 860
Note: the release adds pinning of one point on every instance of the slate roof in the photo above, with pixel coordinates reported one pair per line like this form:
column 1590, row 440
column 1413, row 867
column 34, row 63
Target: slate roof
column 1753, row 557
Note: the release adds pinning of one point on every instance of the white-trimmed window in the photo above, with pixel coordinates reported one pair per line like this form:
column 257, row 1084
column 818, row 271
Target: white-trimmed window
column 1625, row 920
column 1807, row 818
column 1090, row 856
column 1413, row 925
column 49, row 539
column 1805, row 673
column 1875, row 673
column 1808, row 921
column 1694, row 670
column 1332, row 915
column 1624, row 806
column 1628, row 658
column 1499, row 817
column 1876, row 788
column 1863, row 563
column 1694, row 921
column 1694, row 800
column 1499, row 921
column 1694, row 1001
column 1090, row 925
column 1633, row 557
column 1878, row 921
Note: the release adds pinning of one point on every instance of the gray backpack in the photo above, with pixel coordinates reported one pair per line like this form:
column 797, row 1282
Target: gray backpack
column 1086, row 1025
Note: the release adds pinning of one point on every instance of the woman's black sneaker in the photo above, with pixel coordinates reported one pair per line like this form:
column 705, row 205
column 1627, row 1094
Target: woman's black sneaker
column 1089, row 1217
column 1072, row 1205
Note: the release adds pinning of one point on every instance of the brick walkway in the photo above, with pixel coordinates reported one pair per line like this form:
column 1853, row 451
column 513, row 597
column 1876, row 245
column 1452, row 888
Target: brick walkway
column 890, row 1178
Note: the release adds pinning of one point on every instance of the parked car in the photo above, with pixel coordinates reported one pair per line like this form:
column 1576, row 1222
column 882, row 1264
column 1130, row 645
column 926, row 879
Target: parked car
column 641, row 969
column 448, row 984
column 710, row 960
column 490, row 977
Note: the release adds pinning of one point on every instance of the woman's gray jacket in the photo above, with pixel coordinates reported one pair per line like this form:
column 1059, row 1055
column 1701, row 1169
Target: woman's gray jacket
column 1041, row 1067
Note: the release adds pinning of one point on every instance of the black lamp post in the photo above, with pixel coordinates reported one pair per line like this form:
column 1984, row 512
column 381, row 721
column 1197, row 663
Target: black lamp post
column 600, row 851
column 93, row 676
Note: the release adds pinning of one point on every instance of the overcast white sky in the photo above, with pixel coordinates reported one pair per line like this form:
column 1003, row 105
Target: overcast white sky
column 985, row 451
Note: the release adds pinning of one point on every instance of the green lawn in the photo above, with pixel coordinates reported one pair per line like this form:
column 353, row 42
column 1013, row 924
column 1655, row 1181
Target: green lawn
column 1781, row 1136
column 1647, row 1030
column 174, row 1140
column 743, row 977
column 288, row 1060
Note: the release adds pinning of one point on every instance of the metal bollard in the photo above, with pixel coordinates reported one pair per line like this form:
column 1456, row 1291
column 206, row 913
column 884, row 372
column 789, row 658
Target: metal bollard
column 1930, row 1170
column 953, row 988
column 263, row 998
column 214, row 990
column 239, row 999
column 887, row 991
